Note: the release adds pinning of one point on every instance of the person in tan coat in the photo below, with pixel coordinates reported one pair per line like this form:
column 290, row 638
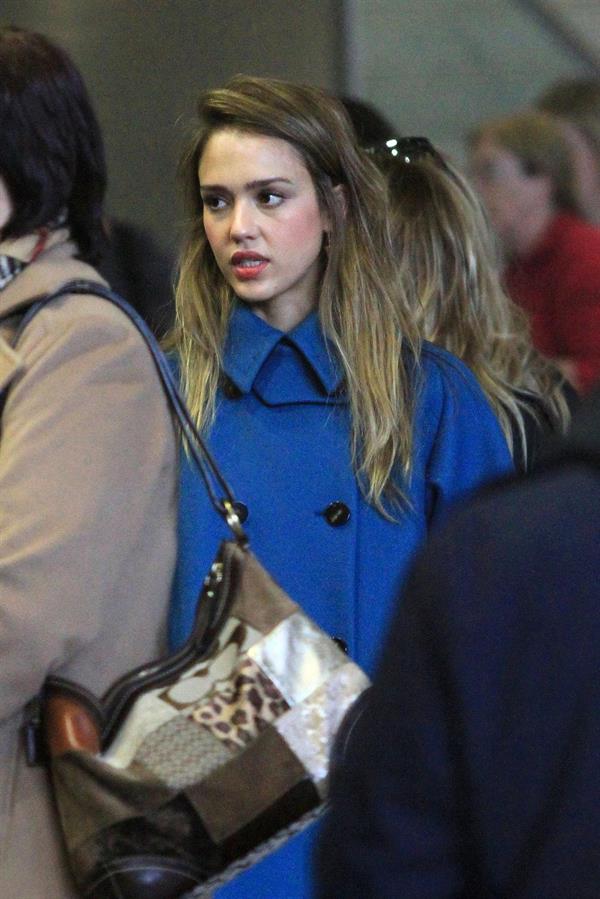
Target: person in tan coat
column 87, row 447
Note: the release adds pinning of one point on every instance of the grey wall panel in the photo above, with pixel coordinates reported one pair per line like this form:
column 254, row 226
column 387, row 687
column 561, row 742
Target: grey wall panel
column 438, row 67
column 145, row 63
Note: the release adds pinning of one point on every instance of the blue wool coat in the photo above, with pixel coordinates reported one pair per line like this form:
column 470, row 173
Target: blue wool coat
column 281, row 438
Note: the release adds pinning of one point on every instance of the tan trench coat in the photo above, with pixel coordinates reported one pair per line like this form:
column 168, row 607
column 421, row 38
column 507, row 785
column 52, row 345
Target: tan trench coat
column 87, row 531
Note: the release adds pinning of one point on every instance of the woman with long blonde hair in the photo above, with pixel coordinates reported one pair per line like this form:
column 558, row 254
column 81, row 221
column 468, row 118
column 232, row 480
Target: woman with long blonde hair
column 342, row 436
column 450, row 276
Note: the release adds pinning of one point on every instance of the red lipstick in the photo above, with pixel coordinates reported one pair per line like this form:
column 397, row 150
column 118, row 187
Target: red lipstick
column 248, row 265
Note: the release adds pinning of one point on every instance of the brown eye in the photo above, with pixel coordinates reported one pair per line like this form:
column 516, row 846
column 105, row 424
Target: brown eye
column 269, row 198
column 213, row 202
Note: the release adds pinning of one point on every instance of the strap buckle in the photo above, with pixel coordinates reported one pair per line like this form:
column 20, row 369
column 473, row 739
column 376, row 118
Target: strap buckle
column 32, row 733
column 234, row 523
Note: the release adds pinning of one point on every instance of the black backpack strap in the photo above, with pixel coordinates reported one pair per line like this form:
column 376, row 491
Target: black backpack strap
column 205, row 463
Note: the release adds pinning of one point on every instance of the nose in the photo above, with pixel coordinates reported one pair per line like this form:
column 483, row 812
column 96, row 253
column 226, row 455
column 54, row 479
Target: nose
column 242, row 225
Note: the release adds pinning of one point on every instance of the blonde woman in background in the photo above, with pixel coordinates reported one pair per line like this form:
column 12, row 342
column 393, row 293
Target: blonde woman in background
column 449, row 270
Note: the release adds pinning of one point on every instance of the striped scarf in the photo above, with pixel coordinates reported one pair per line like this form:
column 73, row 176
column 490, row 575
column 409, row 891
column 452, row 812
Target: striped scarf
column 9, row 269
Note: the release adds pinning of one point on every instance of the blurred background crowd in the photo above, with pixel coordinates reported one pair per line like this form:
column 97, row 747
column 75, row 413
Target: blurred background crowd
column 507, row 90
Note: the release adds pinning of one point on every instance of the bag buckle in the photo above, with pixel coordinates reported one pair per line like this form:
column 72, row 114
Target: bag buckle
column 234, row 523
column 32, row 734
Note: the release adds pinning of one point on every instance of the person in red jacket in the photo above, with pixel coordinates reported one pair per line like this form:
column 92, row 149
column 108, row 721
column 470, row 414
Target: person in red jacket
column 522, row 168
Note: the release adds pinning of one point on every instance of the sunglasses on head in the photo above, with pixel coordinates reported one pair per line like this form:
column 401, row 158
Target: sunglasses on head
column 406, row 149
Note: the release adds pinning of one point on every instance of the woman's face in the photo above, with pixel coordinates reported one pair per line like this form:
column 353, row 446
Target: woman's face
column 503, row 186
column 263, row 222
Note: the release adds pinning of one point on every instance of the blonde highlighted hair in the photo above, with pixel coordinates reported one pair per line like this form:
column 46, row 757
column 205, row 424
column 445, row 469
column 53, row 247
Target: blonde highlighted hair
column 449, row 268
column 358, row 305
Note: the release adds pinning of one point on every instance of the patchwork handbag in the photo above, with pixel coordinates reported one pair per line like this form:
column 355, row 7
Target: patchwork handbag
column 191, row 768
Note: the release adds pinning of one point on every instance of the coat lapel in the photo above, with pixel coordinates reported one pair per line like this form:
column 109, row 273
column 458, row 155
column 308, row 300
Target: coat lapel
column 11, row 363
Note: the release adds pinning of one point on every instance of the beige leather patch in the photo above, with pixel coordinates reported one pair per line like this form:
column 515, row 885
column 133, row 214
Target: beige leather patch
column 11, row 363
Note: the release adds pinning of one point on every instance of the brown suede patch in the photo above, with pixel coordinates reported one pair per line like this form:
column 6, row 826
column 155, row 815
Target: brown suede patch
column 106, row 794
column 260, row 602
column 246, row 786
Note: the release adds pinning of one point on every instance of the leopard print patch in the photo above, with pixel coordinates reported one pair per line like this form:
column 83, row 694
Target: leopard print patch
column 241, row 707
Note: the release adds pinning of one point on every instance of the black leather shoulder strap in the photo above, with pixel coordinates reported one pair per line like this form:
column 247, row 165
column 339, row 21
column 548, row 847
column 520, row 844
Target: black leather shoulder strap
column 207, row 467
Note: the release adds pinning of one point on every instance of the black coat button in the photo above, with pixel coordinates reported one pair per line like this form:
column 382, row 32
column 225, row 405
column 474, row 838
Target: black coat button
column 231, row 390
column 337, row 514
column 241, row 510
column 341, row 644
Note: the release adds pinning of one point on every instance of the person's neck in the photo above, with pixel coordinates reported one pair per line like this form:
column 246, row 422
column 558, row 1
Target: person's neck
column 284, row 315
column 23, row 248
column 591, row 210
column 530, row 229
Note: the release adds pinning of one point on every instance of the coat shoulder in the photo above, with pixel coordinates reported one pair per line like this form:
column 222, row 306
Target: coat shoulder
column 448, row 390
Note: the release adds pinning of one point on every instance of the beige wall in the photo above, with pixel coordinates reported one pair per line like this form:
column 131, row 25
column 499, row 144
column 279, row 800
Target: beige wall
column 145, row 62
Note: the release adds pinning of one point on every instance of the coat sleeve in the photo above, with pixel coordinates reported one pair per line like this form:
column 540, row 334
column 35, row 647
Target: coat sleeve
column 459, row 433
column 77, row 464
column 580, row 335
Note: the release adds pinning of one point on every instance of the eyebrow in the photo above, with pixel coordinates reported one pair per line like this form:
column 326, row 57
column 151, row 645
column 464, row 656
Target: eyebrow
column 251, row 185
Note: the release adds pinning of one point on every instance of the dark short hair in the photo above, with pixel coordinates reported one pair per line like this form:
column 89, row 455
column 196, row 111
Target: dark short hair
column 51, row 149
column 577, row 100
column 369, row 123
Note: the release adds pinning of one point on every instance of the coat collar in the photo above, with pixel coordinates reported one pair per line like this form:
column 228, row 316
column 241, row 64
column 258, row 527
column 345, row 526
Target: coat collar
column 253, row 348
column 53, row 267
column 23, row 248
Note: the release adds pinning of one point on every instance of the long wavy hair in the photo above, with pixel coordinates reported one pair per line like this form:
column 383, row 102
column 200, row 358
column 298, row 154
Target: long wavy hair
column 358, row 305
column 449, row 266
